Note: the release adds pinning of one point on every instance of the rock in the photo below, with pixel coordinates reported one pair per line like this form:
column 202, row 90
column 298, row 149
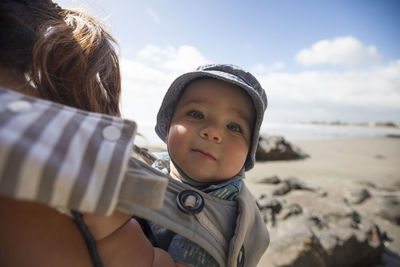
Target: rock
column 291, row 210
column 270, row 180
column 357, row 195
column 389, row 208
column 305, row 240
column 310, row 231
column 269, row 207
column 378, row 187
column 269, row 217
column 296, row 184
column 378, row 156
column 281, row 189
column 393, row 135
column 350, row 218
column 321, row 192
column 270, row 203
column 277, row 148
column 368, row 184
column 396, row 185
column 290, row 183
column 292, row 243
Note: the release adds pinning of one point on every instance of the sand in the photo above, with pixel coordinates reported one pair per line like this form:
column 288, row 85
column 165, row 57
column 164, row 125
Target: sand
column 335, row 165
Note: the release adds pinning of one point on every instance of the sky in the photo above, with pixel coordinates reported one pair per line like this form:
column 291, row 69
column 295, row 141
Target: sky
column 317, row 60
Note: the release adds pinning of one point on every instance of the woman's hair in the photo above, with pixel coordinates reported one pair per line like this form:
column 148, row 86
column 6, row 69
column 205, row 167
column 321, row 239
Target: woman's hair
column 66, row 55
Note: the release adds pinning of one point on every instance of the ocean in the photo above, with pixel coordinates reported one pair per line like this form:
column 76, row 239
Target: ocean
column 290, row 131
column 301, row 131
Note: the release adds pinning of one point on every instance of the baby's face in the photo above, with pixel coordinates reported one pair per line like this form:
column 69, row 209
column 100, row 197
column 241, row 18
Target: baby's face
column 210, row 133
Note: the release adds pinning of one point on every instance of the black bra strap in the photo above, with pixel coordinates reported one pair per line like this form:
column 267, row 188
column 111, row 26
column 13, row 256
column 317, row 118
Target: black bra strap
column 90, row 242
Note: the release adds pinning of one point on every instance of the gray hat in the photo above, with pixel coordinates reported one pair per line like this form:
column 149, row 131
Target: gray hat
column 228, row 73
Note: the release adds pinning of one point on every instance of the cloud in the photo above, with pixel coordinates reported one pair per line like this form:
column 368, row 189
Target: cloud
column 353, row 95
column 155, row 53
column 262, row 69
column 143, row 87
column 181, row 59
column 153, row 15
column 341, row 51
column 185, row 58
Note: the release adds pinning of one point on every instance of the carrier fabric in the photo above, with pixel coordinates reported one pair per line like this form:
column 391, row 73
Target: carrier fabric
column 66, row 157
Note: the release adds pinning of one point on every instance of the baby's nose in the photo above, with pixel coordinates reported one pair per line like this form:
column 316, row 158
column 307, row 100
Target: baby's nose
column 211, row 133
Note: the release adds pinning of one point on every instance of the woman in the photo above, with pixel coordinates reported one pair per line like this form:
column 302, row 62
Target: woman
column 63, row 56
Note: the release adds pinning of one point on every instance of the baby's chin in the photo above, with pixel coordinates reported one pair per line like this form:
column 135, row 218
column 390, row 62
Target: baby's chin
column 207, row 178
column 200, row 176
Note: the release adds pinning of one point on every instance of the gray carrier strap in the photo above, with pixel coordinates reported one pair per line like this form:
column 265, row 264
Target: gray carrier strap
column 251, row 238
column 143, row 185
column 232, row 232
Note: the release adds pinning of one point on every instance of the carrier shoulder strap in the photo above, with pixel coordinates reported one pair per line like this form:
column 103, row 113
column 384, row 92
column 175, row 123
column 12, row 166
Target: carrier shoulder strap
column 250, row 239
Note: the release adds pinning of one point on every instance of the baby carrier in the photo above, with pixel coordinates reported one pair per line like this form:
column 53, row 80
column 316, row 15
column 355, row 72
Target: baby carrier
column 230, row 231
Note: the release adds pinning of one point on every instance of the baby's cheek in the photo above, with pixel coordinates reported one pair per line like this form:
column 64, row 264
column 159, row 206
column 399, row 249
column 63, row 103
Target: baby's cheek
column 177, row 133
column 180, row 129
column 177, row 138
column 239, row 153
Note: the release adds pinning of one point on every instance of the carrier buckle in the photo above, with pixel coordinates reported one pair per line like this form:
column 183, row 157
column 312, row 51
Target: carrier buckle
column 190, row 201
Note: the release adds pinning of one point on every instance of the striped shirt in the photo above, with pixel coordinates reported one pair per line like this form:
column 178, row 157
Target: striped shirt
column 69, row 158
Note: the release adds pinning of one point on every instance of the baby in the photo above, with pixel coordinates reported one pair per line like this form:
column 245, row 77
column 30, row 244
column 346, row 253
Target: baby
column 210, row 120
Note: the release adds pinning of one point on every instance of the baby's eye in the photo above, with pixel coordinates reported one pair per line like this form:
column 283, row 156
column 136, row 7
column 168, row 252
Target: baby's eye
column 196, row 114
column 234, row 127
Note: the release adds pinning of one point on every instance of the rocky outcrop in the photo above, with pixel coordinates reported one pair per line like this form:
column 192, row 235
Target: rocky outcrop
column 277, row 148
column 310, row 227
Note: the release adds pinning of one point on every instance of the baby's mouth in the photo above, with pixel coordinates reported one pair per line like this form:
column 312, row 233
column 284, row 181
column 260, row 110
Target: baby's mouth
column 204, row 154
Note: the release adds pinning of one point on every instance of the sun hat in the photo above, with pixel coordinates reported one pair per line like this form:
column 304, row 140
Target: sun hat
column 225, row 72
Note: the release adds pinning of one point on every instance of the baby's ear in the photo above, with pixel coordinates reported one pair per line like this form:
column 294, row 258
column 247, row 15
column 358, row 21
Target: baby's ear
column 166, row 128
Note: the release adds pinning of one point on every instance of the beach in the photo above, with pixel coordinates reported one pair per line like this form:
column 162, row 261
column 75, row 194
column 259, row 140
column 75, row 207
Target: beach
column 336, row 165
